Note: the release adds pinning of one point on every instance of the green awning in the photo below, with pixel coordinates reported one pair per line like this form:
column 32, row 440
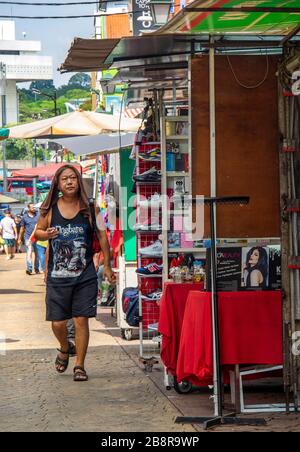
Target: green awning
column 236, row 16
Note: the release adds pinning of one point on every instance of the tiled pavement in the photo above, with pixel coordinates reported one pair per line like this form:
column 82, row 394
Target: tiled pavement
column 119, row 396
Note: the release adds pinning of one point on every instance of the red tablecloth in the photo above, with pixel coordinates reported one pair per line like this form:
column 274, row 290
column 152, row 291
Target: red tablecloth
column 172, row 307
column 250, row 333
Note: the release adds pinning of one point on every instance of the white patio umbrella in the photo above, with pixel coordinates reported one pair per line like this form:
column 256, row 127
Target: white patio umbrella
column 77, row 123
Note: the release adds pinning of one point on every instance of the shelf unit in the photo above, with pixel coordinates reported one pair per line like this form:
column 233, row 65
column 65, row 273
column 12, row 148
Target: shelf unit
column 148, row 310
column 169, row 177
column 177, row 137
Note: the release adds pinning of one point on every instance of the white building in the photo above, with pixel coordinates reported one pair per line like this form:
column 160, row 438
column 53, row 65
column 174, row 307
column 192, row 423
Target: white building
column 19, row 62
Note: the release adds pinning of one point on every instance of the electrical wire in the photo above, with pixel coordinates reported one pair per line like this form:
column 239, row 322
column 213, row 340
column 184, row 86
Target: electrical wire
column 250, row 86
column 95, row 2
column 67, row 17
column 71, row 17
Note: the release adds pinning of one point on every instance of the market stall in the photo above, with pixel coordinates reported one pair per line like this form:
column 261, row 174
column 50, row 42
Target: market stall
column 215, row 103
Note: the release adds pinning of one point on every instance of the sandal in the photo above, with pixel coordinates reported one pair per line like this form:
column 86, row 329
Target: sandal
column 80, row 374
column 61, row 365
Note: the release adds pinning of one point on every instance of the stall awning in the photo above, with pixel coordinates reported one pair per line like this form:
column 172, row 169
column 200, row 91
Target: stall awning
column 88, row 55
column 115, row 50
column 41, row 171
column 75, row 123
column 260, row 17
column 99, row 144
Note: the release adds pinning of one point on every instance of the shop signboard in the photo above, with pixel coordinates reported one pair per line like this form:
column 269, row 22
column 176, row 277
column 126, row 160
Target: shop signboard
column 247, row 268
column 275, row 267
column 229, row 261
column 142, row 18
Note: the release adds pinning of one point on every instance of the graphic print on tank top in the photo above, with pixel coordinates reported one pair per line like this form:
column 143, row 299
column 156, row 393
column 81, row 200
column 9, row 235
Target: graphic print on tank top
column 70, row 251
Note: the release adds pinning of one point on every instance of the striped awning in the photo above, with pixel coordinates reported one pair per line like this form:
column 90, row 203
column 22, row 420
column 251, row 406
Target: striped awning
column 132, row 112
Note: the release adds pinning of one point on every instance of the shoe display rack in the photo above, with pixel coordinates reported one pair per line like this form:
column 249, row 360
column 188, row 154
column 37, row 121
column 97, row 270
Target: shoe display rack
column 149, row 248
column 176, row 183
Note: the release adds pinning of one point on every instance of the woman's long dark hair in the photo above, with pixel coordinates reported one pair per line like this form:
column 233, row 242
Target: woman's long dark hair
column 262, row 264
column 53, row 194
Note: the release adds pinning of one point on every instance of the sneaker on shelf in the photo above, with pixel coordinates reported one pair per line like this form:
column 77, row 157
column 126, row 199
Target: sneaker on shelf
column 150, row 269
column 154, row 201
column 155, row 249
column 153, row 326
column 153, row 151
column 153, row 156
column 154, row 296
column 148, row 226
column 152, row 175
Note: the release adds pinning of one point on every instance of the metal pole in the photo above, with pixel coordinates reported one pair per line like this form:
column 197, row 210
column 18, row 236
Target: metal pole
column 212, row 108
column 55, row 103
column 95, row 190
column 3, row 121
column 4, row 167
column 34, row 181
column 213, row 193
column 215, row 310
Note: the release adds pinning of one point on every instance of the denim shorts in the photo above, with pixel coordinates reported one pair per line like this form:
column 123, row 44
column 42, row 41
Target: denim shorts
column 9, row 242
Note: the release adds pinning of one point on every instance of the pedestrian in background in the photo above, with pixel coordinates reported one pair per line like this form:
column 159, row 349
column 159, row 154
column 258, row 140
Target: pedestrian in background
column 28, row 224
column 18, row 220
column 8, row 231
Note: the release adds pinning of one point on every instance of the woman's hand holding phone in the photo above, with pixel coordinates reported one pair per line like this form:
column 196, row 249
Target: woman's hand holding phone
column 52, row 233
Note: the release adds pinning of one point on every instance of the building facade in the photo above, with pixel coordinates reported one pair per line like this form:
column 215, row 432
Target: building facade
column 19, row 62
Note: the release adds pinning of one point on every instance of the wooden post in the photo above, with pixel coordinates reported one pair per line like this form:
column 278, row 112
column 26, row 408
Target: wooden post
column 94, row 96
column 288, row 316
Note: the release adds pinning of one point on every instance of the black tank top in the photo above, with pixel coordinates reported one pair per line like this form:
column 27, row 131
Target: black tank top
column 70, row 254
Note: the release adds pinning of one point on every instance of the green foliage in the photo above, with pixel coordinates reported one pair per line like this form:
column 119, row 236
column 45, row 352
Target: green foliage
column 43, row 108
column 42, row 85
column 23, row 150
column 77, row 94
column 80, row 79
column 87, row 105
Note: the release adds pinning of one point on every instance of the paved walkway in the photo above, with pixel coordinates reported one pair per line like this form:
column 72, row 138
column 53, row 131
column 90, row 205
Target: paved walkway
column 118, row 397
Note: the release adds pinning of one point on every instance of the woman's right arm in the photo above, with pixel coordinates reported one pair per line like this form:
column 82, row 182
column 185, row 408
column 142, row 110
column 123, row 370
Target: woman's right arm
column 43, row 232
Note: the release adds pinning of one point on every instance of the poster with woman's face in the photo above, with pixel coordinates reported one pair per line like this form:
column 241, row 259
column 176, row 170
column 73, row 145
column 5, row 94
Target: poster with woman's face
column 255, row 267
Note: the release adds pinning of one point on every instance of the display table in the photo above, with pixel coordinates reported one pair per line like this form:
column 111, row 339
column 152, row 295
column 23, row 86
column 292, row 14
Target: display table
column 172, row 308
column 250, row 333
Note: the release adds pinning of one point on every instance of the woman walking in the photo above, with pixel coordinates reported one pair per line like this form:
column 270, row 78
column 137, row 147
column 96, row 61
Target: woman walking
column 66, row 221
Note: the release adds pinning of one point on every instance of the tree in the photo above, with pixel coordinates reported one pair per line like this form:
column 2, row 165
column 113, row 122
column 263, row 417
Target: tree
column 81, row 80
column 42, row 85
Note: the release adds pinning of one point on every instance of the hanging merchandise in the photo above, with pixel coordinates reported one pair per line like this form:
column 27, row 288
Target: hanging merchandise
column 103, row 183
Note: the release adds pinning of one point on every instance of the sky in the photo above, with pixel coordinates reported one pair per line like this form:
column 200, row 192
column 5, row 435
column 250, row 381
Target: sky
column 55, row 35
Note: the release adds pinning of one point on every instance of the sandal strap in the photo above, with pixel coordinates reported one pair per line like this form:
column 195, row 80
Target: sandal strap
column 71, row 350
column 79, row 369
column 63, row 352
column 61, row 362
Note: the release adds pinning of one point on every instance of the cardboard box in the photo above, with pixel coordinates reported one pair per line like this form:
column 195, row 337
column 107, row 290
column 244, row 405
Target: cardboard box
column 178, row 223
column 186, row 240
column 174, row 240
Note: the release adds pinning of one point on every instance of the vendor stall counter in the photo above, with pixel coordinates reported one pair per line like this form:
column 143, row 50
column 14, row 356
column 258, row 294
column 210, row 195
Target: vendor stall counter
column 250, row 331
